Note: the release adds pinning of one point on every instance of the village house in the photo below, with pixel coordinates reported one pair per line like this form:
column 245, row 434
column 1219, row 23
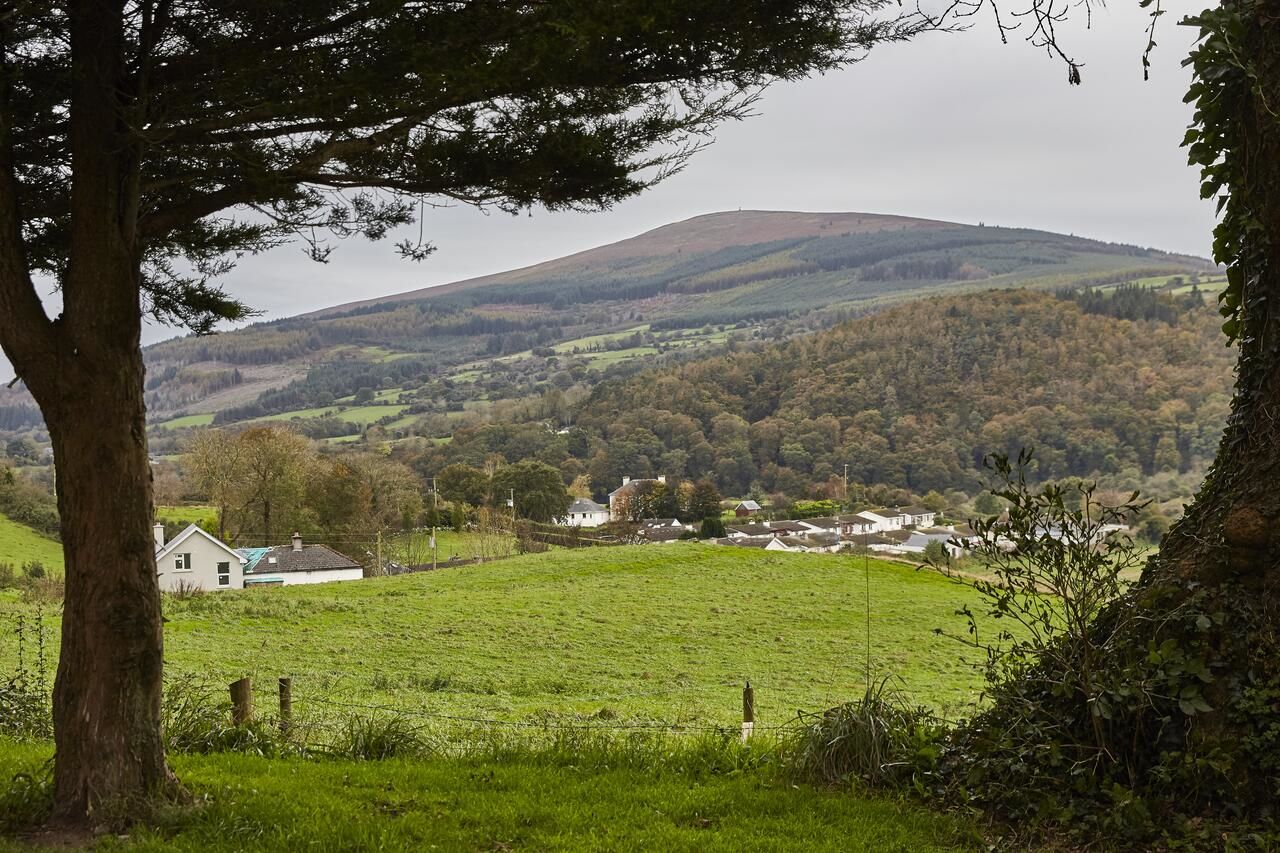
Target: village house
column 823, row 525
column 885, row 519
column 584, row 512
column 857, row 523
column 744, row 531
column 921, row 516
column 287, row 565
column 619, row 498
column 746, row 509
column 195, row 559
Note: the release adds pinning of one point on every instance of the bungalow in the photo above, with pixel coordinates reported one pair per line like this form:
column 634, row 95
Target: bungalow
column 921, row 516
column 585, row 513
column 739, row 531
column 195, row 559
column 886, row 519
column 662, row 535
column 852, row 525
column 824, row 525
column 745, row 509
column 287, row 565
column 787, row 527
column 665, row 522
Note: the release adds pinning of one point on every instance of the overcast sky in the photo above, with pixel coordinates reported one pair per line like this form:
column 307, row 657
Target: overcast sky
column 951, row 126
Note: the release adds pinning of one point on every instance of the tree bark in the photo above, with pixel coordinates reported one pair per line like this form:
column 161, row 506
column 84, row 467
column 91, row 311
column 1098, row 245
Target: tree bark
column 1232, row 529
column 107, row 697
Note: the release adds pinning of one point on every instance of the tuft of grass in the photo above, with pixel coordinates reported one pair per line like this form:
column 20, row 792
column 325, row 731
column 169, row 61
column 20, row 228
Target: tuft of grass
column 378, row 737
column 878, row 740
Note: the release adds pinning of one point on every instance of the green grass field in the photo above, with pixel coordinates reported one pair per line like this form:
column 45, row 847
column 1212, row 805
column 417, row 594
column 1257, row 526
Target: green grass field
column 187, row 421
column 634, row 633
column 523, row 803
column 191, row 514
column 20, row 544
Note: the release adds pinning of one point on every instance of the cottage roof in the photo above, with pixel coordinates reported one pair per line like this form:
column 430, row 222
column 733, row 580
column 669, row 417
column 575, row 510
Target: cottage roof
column 824, row 523
column 919, row 510
column 585, row 505
column 751, row 505
column 312, row 558
column 885, row 512
column 194, row 530
column 662, row 534
column 630, row 486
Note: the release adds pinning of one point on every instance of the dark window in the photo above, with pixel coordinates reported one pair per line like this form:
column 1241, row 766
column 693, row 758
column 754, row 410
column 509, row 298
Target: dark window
column 182, row 562
column 224, row 574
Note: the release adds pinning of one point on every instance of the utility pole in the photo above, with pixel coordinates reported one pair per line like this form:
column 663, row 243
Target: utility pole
column 511, row 502
column 380, row 571
column 435, row 511
column 846, row 485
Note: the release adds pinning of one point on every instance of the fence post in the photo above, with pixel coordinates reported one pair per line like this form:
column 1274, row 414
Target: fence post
column 748, row 712
column 286, row 704
column 241, row 701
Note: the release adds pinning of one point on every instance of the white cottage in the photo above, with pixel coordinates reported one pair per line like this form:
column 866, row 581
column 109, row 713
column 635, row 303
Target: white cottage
column 585, row 513
column 195, row 559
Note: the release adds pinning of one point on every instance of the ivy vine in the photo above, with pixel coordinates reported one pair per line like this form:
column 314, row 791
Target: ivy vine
column 1224, row 83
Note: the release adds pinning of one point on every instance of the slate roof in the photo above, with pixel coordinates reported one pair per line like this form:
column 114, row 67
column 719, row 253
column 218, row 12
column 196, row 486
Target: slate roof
column 312, row 558
column 662, row 534
column 750, row 529
column 919, row 510
column 583, row 505
column 751, row 505
column 826, row 523
column 886, row 513
column 788, row 526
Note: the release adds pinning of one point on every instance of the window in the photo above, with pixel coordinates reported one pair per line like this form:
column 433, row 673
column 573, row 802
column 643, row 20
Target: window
column 182, row 562
column 224, row 574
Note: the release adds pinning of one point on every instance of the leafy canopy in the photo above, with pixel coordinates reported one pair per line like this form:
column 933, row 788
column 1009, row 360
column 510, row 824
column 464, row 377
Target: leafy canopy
column 251, row 124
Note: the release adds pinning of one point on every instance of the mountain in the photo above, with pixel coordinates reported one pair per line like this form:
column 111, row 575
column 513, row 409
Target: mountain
column 1131, row 387
column 666, row 295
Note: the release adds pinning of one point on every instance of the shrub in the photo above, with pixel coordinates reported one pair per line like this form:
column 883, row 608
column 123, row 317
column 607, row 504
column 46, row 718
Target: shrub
column 34, row 569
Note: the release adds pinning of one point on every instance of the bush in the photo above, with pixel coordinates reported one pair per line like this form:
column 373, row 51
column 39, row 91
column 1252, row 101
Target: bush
column 34, row 569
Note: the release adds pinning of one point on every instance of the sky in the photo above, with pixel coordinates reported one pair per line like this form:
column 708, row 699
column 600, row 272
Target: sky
column 951, row 126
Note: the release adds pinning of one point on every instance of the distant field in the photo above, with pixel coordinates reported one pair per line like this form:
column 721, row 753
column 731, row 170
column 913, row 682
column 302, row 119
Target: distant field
column 20, row 544
column 188, row 514
column 665, row 633
column 187, row 421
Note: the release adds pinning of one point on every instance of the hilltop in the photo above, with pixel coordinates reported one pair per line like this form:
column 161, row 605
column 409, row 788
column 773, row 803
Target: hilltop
column 669, row 294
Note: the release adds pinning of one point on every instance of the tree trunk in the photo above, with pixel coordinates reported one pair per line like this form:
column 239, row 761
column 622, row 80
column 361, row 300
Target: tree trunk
column 1232, row 530
column 106, row 703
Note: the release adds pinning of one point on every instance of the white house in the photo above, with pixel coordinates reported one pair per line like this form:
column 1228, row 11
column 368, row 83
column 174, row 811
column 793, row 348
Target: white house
column 196, row 560
column 920, row 516
column 885, row 519
column 585, row 513
column 287, row 565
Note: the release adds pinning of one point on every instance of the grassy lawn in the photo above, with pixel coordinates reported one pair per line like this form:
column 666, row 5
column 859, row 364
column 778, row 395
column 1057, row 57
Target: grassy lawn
column 665, row 633
column 20, row 544
column 248, row 803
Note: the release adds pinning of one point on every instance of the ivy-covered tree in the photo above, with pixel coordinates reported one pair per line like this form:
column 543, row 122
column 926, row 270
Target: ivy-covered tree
column 145, row 143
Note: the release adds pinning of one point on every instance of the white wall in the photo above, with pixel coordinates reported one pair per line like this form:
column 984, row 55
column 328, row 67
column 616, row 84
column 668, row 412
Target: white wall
column 204, row 559
column 317, row 576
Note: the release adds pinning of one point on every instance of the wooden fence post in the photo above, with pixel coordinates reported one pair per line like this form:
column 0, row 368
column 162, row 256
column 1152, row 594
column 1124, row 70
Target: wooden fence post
column 286, row 704
column 241, row 701
column 748, row 712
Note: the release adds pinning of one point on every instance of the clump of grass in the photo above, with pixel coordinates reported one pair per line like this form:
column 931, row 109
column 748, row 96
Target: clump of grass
column 26, row 799
column 878, row 740
column 379, row 737
column 195, row 721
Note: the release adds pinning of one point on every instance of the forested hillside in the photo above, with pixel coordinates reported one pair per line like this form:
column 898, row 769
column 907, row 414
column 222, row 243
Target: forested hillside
column 1127, row 386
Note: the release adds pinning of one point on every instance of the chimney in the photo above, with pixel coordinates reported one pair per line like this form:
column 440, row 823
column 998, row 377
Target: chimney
column 626, row 480
column 662, row 478
column 297, row 542
column 158, row 533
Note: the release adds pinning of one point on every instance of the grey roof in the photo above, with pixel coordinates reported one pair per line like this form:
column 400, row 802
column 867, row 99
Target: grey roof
column 789, row 526
column 885, row 512
column 859, row 518
column 826, row 522
column 631, row 486
column 312, row 558
column 919, row 510
column 747, row 505
column 662, row 522
column 585, row 505
column 662, row 534
column 750, row 529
